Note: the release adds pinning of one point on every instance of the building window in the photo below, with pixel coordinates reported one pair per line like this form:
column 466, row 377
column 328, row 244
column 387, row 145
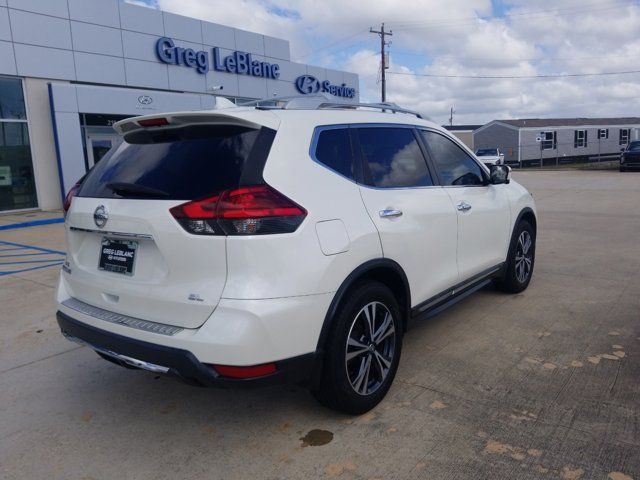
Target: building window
column 17, row 183
column 624, row 135
column 603, row 133
column 579, row 138
column 549, row 140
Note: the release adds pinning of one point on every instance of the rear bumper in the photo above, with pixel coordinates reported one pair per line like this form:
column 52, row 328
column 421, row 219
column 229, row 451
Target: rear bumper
column 176, row 362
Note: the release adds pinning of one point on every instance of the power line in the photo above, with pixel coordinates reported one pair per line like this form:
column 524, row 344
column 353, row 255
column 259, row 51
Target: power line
column 533, row 59
column 471, row 20
column 332, row 44
column 515, row 77
column 588, row 8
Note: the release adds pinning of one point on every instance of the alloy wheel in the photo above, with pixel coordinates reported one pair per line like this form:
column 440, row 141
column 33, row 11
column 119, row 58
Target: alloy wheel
column 524, row 256
column 370, row 349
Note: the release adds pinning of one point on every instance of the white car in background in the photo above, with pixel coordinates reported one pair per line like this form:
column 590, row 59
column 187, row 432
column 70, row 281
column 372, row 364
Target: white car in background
column 256, row 245
column 490, row 156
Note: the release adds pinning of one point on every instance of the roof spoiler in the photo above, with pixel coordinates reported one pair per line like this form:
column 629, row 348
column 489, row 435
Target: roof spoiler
column 183, row 119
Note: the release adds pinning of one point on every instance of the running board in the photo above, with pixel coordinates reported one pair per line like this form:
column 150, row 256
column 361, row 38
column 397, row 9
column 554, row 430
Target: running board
column 446, row 299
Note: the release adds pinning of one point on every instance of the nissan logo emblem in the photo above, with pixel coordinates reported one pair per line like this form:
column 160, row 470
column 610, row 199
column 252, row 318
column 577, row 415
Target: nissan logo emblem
column 307, row 84
column 145, row 100
column 100, row 216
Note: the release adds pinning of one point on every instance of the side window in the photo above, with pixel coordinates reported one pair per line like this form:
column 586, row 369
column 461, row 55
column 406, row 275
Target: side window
column 333, row 150
column 455, row 166
column 392, row 158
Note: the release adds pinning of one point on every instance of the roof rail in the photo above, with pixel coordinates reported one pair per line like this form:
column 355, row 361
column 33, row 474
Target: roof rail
column 318, row 102
column 384, row 106
column 288, row 102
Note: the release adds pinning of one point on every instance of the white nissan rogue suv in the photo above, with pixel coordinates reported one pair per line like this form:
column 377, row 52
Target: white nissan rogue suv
column 263, row 244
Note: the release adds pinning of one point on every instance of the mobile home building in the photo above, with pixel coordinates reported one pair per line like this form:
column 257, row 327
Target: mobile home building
column 558, row 140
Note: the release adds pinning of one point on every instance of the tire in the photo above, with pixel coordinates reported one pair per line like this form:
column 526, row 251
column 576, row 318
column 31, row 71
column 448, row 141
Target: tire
column 622, row 169
column 520, row 260
column 345, row 385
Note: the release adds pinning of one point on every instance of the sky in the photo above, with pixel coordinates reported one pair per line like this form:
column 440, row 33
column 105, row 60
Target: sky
column 440, row 48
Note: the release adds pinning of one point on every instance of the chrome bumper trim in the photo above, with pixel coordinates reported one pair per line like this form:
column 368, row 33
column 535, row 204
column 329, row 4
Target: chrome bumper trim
column 113, row 234
column 119, row 319
column 134, row 362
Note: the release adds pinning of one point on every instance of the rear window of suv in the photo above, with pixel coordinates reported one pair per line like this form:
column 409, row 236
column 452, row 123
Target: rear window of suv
column 180, row 164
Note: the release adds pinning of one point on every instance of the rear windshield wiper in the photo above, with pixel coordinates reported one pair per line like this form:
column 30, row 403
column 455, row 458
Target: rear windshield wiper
column 125, row 189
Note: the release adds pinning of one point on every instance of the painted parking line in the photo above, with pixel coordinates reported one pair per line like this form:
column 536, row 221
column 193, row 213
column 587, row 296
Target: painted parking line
column 2, row 274
column 34, row 223
column 30, row 247
column 30, row 258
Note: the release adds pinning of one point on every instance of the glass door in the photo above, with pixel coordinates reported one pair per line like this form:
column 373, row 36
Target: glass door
column 17, row 181
column 98, row 145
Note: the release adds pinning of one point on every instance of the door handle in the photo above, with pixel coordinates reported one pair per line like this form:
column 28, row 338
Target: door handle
column 390, row 213
column 463, row 207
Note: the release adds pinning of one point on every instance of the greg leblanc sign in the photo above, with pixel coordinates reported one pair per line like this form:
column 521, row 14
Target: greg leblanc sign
column 238, row 62
column 242, row 63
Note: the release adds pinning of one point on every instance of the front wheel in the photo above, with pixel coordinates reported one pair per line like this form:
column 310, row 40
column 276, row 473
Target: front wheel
column 362, row 351
column 521, row 259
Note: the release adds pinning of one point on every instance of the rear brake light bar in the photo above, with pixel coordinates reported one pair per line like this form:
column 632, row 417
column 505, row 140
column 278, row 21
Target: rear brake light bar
column 153, row 122
column 252, row 210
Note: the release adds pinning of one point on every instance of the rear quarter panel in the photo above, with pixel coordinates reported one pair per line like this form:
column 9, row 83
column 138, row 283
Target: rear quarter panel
column 289, row 265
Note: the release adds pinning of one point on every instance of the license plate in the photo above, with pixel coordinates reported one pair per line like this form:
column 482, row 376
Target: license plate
column 117, row 256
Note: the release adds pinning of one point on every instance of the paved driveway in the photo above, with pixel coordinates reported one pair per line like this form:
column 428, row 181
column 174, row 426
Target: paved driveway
column 545, row 384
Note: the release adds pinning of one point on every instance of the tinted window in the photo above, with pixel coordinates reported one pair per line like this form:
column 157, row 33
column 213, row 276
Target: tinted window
column 11, row 99
column 393, row 158
column 454, row 165
column 334, row 151
column 181, row 164
column 634, row 146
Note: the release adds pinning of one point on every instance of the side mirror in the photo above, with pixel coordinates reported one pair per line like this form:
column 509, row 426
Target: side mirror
column 499, row 174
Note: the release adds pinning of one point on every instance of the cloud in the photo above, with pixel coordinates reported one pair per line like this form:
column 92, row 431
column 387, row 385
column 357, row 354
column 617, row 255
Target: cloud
column 461, row 37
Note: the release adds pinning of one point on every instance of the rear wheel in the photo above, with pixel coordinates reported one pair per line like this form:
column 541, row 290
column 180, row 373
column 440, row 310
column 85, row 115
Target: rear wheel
column 521, row 259
column 362, row 351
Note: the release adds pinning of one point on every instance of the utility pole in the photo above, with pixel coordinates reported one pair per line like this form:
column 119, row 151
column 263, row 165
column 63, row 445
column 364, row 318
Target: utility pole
column 451, row 117
column 383, row 58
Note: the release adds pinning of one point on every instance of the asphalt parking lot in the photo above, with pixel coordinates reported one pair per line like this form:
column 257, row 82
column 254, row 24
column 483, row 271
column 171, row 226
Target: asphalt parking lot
column 544, row 384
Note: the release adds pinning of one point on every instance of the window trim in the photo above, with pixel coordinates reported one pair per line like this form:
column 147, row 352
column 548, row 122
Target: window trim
column 628, row 132
column 606, row 134
column 483, row 168
column 576, row 138
column 359, row 162
column 553, row 140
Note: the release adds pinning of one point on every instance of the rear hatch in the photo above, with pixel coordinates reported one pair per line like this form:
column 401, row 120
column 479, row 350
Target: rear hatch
column 128, row 253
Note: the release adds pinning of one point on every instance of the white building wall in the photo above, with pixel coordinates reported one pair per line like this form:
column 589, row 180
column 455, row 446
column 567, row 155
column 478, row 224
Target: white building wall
column 43, row 149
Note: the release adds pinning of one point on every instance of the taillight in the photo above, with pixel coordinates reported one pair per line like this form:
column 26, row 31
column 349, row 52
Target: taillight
column 254, row 210
column 66, row 205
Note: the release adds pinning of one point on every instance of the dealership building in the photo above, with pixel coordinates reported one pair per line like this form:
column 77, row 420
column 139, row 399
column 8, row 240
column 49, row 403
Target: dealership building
column 69, row 69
